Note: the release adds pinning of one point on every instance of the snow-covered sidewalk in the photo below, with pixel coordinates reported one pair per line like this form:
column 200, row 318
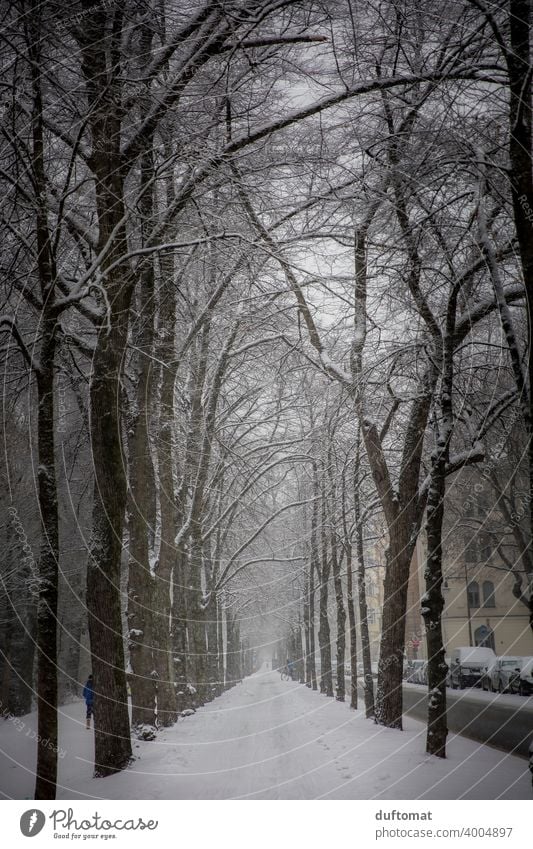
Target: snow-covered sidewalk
column 268, row 739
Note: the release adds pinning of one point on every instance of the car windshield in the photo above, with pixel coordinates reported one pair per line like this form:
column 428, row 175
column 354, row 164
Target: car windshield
column 513, row 662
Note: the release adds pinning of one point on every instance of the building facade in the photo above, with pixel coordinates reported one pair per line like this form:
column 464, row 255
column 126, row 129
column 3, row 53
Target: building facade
column 479, row 606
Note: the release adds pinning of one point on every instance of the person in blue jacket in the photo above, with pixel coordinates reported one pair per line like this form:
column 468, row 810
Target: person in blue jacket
column 88, row 695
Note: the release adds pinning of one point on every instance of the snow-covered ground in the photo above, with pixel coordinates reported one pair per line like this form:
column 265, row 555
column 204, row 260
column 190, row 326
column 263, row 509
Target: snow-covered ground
column 268, row 739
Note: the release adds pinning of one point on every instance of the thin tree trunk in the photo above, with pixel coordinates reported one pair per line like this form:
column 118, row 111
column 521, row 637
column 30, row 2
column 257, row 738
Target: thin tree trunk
column 307, row 635
column 196, row 614
column 368, row 680
column 313, row 569
column 179, row 627
column 169, row 626
column 220, row 643
column 341, row 618
column 352, row 629
column 324, row 633
column 233, row 648
column 368, row 685
column 299, row 649
column 211, row 627
column 337, row 584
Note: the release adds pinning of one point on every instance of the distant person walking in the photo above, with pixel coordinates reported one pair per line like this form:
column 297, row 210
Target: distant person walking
column 88, row 695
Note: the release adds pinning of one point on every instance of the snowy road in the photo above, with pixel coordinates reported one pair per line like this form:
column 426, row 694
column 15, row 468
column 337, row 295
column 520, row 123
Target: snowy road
column 268, row 739
column 505, row 721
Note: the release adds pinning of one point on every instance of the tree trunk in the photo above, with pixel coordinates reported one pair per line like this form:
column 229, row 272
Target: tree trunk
column 388, row 707
column 142, row 502
column 169, row 616
column 141, row 528
column 111, row 720
column 165, row 689
column 433, row 601
column 352, row 629
column 211, row 627
column 313, row 569
column 212, row 652
column 47, row 691
column 233, row 649
column 222, row 657
column 47, row 604
column 432, row 607
column 324, row 633
column 179, row 629
column 341, row 621
column 307, row 634
column 368, row 685
column 300, row 665
column 220, row 645
column 166, row 572
column 112, row 730
column 196, row 619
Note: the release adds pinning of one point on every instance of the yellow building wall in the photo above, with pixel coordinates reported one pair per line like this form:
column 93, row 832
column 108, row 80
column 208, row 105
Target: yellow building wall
column 508, row 620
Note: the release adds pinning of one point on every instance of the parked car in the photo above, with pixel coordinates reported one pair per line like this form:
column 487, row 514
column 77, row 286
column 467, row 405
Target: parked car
column 525, row 680
column 504, row 671
column 467, row 663
column 485, row 681
column 514, row 676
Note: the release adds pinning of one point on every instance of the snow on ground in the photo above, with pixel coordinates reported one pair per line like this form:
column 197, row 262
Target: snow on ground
column 269, row 739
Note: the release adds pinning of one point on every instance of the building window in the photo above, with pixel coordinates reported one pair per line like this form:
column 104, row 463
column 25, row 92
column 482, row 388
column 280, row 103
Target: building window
column 489, row 599
column 484, row 636
column 371, row 616
column 473, row 594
